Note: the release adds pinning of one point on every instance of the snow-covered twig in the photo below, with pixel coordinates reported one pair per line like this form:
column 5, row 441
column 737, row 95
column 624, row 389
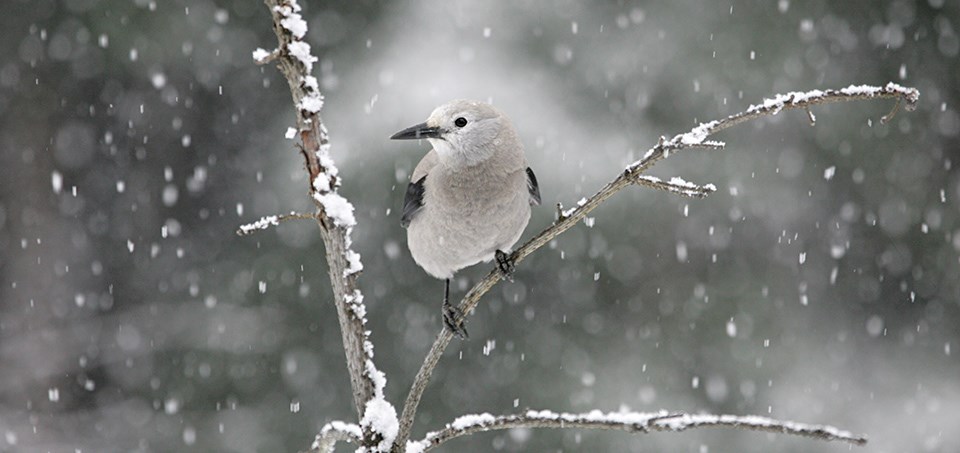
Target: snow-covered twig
column 695, row 138
column 334, row 217
column 682, row 422
column 334, row 432
column 271, row 220
column 635, row 422
column 474, row 423
column 676, row 185
column 794, row 100
column 261, row 56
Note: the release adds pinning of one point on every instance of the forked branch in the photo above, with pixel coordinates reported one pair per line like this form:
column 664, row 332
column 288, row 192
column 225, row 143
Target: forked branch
column 379, row 428
column 695, row 138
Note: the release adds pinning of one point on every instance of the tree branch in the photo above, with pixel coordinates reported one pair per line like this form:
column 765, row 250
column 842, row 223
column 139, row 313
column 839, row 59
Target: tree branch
column 334, row 213
column 695, row 138
column 634, row 422
column 677, row 186
column 683, row 422
column 272, row 220
column 334, row 432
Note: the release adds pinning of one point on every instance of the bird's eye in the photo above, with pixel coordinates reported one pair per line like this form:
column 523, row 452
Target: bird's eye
column 460, row 122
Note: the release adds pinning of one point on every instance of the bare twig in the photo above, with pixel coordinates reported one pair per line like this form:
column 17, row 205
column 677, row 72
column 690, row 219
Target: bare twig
column 811, row 117
column 692, row 139
column 272, row 220
column 889, row 116
column 635, row 422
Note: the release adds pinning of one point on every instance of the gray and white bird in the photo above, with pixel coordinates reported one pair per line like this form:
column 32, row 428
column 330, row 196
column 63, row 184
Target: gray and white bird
column 469, row 198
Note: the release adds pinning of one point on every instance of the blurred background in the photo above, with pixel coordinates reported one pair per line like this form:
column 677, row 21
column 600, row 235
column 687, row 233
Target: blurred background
column 819, row 284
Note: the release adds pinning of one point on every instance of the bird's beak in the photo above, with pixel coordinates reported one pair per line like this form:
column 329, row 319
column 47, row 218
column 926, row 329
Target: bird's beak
column 417, row 132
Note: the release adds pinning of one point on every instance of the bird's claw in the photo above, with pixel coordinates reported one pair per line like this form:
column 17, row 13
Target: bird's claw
column 451, row 315
column 505, row 264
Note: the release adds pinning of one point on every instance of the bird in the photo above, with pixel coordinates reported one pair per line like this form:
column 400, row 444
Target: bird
column 469, row 199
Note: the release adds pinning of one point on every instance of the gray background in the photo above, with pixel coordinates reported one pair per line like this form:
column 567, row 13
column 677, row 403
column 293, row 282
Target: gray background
column 174, row 347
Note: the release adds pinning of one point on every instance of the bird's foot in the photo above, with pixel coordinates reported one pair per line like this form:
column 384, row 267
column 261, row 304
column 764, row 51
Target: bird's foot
column 451, row 315
column 506, row 264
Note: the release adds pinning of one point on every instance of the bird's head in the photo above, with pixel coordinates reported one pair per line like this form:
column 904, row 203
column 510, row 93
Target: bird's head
column 462, row 132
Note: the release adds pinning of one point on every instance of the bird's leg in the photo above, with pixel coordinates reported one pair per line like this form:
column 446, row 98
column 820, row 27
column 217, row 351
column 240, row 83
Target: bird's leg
column 451, row 314
column 506, row 265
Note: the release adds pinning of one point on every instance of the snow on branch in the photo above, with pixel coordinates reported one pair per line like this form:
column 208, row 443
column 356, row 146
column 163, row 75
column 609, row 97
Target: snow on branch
column 676, row 185
column 682, row 422
column 635, row 422
column 334, row 432
column 262, row 224
column 262, row 56
column 334, row 217
column 793, row 100
column 695, row 138
column 271, row 220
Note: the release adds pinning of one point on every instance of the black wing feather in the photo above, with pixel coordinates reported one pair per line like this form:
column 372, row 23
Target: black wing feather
column 533, row 187
column 412, row 201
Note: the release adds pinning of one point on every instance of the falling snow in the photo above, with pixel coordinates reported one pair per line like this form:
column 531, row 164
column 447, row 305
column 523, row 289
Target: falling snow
column 818, row 247
column 56, row 180
column 829, row 172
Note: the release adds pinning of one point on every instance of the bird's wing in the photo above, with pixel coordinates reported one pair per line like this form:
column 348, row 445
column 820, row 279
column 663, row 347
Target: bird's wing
column 413, row 199
column 533, row 187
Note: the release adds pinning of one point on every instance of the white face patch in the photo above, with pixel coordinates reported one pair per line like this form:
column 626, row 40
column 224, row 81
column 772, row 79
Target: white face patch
column 467, row 143
column 442, row 147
